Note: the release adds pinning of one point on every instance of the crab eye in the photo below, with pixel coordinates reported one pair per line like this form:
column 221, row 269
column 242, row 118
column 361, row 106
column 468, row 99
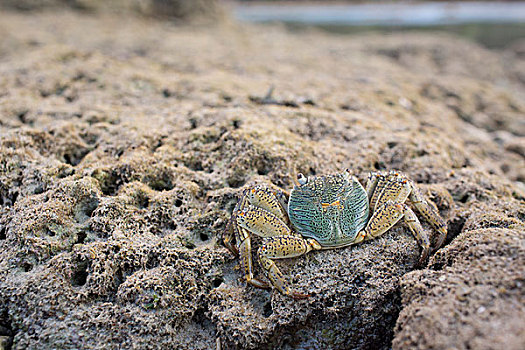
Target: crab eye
column 301, row 179
column 347, row 170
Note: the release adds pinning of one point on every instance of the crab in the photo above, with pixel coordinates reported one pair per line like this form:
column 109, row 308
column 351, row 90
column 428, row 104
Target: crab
column 324, row 212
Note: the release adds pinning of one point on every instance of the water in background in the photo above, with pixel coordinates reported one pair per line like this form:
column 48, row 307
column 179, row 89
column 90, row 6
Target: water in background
column 493, row 24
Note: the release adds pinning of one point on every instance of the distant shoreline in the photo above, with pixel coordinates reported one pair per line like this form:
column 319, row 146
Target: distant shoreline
column 391, row 14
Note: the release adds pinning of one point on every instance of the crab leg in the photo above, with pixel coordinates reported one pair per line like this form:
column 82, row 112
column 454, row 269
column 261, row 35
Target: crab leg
column 386, row 216
column 281, row 247
column 259, row 221
column 371, row 184
column 228, row 236
column 272, row 199
column 262, row 222
column 429, row 213
column 417, row 231
column 245, row 258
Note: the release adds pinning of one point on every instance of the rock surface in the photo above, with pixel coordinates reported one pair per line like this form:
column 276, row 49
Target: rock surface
column 126, row 142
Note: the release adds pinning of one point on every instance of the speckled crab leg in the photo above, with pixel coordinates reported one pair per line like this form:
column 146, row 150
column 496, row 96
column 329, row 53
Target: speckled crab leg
column 387, row 186
column 270, row 198
column 260, row 211
column 282, row 247
column 429, row 213
column 228, row 237
column 262, row 223
column 371, row 185
column 386, row 216
column 245, row 259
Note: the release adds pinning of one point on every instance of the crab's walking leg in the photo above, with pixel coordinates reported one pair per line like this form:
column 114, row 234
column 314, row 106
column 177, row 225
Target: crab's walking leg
column 228, row 237
column 262, row 223
column 419, row 233
column 429, row 213
column 257, row 207
column 281, row 247
column 245, row 258
column 272, row 199
column 387, row 186
column 371, row 184
column 386, row 216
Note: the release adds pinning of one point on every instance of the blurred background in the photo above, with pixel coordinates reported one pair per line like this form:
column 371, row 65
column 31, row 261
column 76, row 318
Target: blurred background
column 494, row 24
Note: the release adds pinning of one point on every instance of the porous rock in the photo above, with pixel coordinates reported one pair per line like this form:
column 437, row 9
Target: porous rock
column 126, row 143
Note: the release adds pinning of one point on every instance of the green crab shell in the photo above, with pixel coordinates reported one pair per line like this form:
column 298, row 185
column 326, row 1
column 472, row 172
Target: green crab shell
column 330, row 209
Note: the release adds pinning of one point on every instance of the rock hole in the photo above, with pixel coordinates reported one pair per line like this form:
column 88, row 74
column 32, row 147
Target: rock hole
column 76, row 156
column 14, row 197
column 264, row 170
column 348, row 107
column 109, row 182
column 391, row 144
column 162, row 183
column 85, row 208
column 235, row 181
column 200, row 317
column 178, row 202
column 196, row 166
column 309, row 102
column 72, row 98
column 39, row 189
column 236, row 124
column 143, row 202
column 204, row 237
column 6, row 197
column 5, row 327
column 81, row 237
column 455, row 226
column 65, row 172
column 166, row 93
column 3, row 233
column 188, row 244
column 89, row 206
column 267, row 309
column 22, row 116
column 67, row 158
column 89, row 138
column 27, row 266
column 217, row 281
column 379, row 165
column 80, row 274
column 464, row 198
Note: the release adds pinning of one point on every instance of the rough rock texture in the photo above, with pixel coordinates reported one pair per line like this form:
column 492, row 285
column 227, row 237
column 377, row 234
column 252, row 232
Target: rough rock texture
column 470, row 297
column 125, row 143
column 187, row 10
